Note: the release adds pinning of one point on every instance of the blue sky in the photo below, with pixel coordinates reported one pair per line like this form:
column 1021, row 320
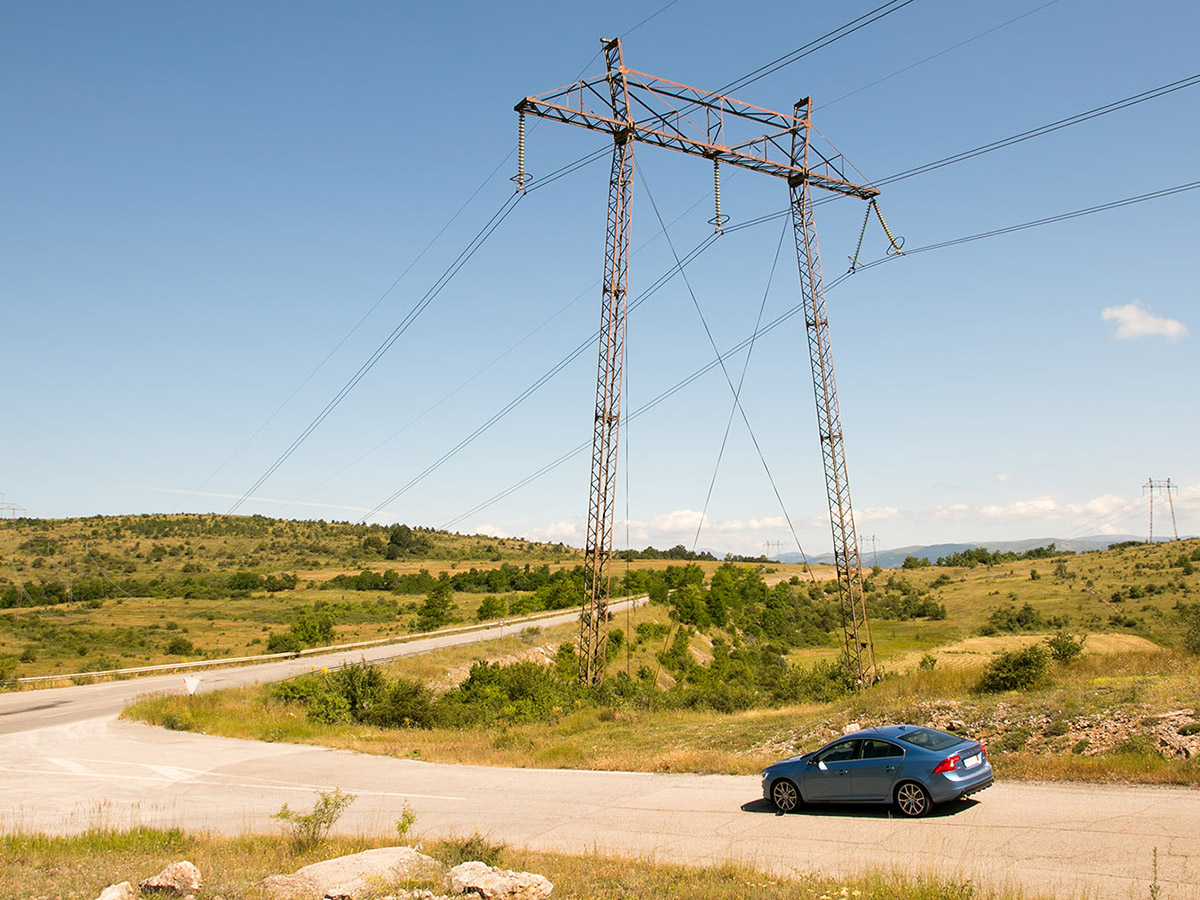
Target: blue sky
column 205, row 206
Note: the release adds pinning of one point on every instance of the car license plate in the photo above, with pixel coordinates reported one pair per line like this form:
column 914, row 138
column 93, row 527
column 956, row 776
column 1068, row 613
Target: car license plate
column 972, row 761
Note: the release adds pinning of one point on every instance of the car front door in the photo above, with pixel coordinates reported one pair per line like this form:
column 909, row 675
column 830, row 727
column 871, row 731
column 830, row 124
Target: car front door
column 874, row 772
column 827, row 773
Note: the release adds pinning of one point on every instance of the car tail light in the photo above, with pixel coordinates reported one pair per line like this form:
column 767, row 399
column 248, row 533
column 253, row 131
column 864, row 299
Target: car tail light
column 947, row 764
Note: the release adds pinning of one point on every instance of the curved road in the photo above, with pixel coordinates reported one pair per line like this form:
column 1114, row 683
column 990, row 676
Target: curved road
column 67, row 764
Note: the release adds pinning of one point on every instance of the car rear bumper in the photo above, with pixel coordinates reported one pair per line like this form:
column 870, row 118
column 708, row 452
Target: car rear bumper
column 975, row 789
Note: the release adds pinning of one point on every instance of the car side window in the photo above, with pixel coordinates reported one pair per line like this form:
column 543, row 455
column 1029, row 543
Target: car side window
column 873, row 749
column 843, row 752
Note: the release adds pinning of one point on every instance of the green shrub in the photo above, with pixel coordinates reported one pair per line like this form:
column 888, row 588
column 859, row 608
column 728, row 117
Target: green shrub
column 1064, row 648
column 454, row 851
column 309, row 829
column 407, row 703
column 1136, row 745
column 1012, row 741
column 1014, row 670
column 1190, row 616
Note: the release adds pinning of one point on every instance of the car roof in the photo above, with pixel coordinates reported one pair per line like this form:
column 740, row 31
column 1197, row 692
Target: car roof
column 892, row 732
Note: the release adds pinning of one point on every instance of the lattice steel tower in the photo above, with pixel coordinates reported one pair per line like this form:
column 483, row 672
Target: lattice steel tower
column 695, row 122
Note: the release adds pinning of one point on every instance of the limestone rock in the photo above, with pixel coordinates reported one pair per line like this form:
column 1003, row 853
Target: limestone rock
column 349, row 877
column 497, row 884
column 177, row 878
column 122, row 891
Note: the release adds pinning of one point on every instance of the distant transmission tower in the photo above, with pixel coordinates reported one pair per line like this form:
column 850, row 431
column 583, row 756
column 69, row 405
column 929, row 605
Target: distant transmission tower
column 1160, row 486
column 632, row 106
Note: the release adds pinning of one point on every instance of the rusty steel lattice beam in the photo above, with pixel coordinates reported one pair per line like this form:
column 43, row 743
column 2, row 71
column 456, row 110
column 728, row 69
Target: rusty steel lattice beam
column 593, row 632
column 856, row 630
column 633, row 106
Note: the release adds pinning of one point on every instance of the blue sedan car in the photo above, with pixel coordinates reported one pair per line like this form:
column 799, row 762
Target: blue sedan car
column 910, row 766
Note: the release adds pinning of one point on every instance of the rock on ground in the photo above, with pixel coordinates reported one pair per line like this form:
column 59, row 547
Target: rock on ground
column 177, row 878
column 122, row 891
column 349, row 876
column 497, row 884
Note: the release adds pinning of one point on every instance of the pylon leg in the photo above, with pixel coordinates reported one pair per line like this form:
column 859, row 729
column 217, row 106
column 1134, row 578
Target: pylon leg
column 593, row 631
column 860, row 653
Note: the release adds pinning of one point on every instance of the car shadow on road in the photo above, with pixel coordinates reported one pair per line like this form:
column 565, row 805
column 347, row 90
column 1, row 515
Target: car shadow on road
column 856, row 811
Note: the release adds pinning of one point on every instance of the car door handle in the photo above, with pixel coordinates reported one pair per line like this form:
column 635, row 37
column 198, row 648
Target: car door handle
column 889, row 768
column 843, row 771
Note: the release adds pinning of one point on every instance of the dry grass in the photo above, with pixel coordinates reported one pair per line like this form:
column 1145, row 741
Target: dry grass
column 1032, row 735
column 232, row 868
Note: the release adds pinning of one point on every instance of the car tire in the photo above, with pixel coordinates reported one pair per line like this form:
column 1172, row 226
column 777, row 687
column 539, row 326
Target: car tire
column 785, row 795
column 912, row 800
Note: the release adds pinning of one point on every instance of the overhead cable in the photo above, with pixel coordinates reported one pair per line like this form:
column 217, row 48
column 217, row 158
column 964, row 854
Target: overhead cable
column 789, row 313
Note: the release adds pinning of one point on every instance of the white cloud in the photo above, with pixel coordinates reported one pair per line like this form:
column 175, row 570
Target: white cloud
column 567, row 532
column 878, row 514
column 1099, row 506
column 493, row 531
column 953, row 511
column 1022, row 509
column 1004, row 477
column 1188, row 497
column 1136, row 321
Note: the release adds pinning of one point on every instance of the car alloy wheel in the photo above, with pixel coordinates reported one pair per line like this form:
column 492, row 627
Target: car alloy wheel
column 912, row 800
column 784, row 795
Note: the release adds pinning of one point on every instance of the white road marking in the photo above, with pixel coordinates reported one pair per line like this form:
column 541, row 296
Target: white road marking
column 75, row 768
column 163, row 778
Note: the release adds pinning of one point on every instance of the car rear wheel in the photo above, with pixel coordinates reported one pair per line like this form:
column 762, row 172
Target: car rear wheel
column 912, row 800
column 784, row 795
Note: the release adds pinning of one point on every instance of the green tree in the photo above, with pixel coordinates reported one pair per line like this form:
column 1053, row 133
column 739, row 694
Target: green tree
column 439, row 606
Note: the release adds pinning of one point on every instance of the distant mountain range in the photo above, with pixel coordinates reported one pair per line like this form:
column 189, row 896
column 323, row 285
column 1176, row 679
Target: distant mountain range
column 893, row 559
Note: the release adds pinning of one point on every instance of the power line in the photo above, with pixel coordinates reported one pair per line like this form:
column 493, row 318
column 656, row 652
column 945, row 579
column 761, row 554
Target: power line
column 450, row 394
column 934, row 56
column 719, row 359
column 579, row 349
column 811, row 47
column 814, row 45
column 560, row 173
column 582, row 162
column 1021, row 137
column 476, row 242
column 789, row 313
column 737, row 394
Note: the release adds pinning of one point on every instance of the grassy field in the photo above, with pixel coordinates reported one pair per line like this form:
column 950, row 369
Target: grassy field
column 123, row 591
column 1125, row 710
column 79, row 868
column 1101, row 718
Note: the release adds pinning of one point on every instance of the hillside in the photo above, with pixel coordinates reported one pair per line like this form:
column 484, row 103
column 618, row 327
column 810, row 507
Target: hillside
column 79, row 595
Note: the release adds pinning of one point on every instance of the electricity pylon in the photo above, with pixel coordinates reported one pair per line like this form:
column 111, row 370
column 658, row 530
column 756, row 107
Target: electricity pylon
column 1151, row 486
column 696, row 122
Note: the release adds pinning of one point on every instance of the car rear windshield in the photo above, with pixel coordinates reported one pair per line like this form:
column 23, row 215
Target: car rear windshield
column 930, row 739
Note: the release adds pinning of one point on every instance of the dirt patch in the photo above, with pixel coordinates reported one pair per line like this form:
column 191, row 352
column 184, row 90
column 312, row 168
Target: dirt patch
column 975, row 652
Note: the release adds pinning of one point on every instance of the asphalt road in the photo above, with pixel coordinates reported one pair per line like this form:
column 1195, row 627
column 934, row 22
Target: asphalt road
column 66, row 764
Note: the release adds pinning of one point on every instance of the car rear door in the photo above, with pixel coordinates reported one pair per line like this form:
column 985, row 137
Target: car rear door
column 876, row 769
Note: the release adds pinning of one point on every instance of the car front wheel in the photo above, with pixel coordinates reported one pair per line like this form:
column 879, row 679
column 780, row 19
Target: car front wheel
column 784, row 795
column 912, row 800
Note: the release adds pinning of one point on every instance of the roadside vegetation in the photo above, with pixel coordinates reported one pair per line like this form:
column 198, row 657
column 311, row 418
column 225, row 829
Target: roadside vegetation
column 725, row 673
column 1068, row 666
column 234, row 867
column 108, row 592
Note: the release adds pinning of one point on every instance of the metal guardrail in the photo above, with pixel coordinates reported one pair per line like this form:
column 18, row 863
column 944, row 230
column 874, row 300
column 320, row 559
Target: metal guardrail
column 292, row 654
